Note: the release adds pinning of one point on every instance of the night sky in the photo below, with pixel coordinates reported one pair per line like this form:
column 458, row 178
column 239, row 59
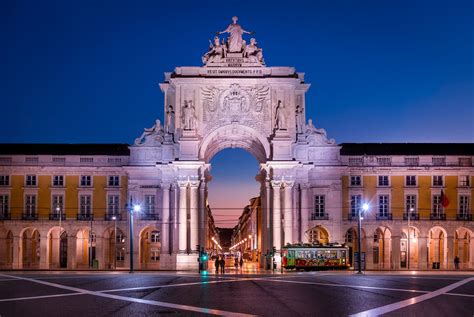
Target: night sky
column 381, row 71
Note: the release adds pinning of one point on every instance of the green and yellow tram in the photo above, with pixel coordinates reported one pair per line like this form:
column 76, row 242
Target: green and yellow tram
column 315, row 257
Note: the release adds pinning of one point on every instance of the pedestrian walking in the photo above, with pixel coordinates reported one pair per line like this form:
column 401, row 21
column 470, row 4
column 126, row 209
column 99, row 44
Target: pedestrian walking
column 456, row 262
column 216, row 264
column 222, row 265
column 236, row 263
column 241, row 262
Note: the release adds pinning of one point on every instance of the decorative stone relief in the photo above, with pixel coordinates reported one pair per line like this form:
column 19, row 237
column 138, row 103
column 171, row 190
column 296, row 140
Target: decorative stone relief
column 245, row 105
column 189, row 116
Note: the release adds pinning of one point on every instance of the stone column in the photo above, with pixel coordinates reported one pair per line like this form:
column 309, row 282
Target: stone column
column 44, row 258
column 202, row 215
column 182, row 228
column 449, row 259
column 71, row 252
column 276, row 185
column 423, row 253
column 304, row 213
column 470, row 265
column 288, row 212
column 369, row 253
column 99, row 251
column 194, row 212
column 17, row 262
column 165, row 219
column 396, row 252
column 174, row 215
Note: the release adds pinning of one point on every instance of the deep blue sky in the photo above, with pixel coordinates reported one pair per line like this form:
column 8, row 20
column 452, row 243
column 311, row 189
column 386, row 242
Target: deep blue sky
column 381, row 71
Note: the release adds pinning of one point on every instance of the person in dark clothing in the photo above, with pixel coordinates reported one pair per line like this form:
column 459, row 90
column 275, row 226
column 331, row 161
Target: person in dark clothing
column 222, row 265
column 456, row 262
column 241, row 262
column 216, row 264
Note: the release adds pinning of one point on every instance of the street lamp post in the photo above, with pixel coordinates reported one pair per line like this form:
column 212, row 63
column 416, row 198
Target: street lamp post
column 114, row 218
column 365, row 207
column 134, row 208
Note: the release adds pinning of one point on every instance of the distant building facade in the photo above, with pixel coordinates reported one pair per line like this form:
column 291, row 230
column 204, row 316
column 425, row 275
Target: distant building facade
column 68, row 206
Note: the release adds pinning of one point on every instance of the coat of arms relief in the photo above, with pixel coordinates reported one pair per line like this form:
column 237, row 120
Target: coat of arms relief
column 244, row 105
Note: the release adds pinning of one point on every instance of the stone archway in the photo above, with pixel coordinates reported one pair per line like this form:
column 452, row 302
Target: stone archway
column 437, row 248
column 246, row 105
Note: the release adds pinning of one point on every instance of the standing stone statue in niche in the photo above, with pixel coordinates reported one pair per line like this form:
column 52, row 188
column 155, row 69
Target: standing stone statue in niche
column 280, row 116
column 189, row 116
column 299, row 120
column 234, row 41
column 169, row 127
column 155, row 133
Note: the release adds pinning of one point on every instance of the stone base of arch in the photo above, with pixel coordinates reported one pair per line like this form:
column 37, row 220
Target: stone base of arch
column 186, row 262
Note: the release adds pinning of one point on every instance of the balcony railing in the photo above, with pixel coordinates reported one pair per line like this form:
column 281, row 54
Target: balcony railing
column 5, row 216
column 324, row 216
column 85, row 217
column 413, row 216
column 56, row 216
column 149, row 216
column 383, row 216
column 29, row 216
column 464, row 217
column 437, row 216
column 110, row 217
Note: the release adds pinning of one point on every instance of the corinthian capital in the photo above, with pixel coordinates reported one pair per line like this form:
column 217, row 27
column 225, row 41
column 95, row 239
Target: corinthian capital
column 276, row 184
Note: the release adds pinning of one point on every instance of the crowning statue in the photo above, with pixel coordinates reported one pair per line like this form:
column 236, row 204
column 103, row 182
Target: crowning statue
column 317, row 136
column 234, row 41
column 280, row 116
column 234, row 46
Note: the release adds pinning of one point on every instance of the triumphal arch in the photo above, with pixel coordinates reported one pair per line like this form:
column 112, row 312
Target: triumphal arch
column 234, row 100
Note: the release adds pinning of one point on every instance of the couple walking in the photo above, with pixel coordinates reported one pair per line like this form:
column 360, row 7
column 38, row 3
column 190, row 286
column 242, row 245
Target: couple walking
column 219, row 263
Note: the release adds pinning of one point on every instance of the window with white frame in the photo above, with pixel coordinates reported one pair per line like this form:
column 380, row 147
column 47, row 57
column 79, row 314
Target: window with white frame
column 57, row 204
column 464, row 161
column 349, row 236
column 149, row 204
column 4, row 205
column 30, row 205
column 58, row 180
column 120, row 238
column 383, row 205
column 154, row 254
column 464, row 181
column 4, row 180
column 356, row 204
column 437, row 180
column 410, row 204
column 437, row 206
column 356, row 180
column 113, row 204
column 86, row 180
column 155, row 237
column 120, row 255
column 85, row 205
column 463, row 205
column 383, row 180
column 114, row 181
column 30, row 180
column 438, row 161
column 410, row 180
column 319, row 206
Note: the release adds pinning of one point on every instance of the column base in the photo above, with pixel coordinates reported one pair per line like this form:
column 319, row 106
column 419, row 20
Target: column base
column 187, row 262
column 167, row 261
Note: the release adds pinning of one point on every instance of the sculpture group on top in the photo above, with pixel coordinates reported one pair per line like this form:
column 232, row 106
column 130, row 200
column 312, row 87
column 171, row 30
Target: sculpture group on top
column 234, row 47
